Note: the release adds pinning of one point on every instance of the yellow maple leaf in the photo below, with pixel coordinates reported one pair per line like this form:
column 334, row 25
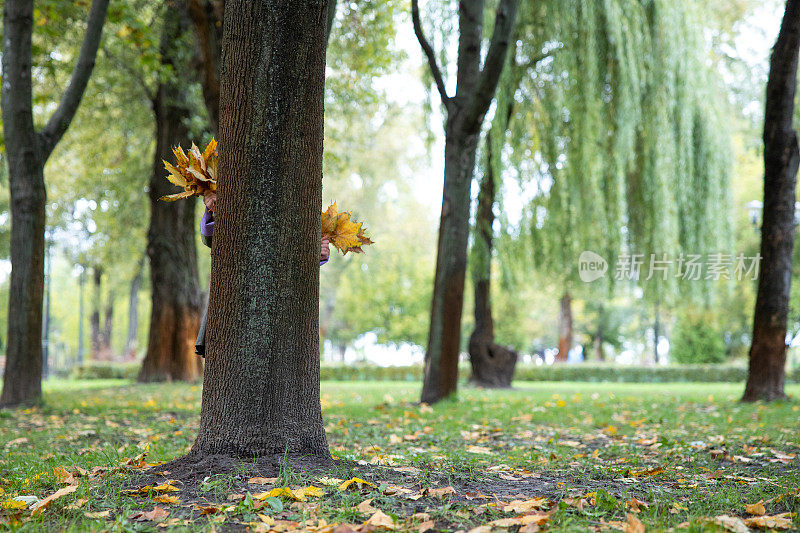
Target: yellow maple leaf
column 165, row 498
column 358, row 481
column 195, row 171
column 343, row 233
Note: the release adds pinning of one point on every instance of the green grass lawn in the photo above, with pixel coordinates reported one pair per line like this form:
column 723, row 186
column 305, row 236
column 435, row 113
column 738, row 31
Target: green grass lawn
column 667, row 454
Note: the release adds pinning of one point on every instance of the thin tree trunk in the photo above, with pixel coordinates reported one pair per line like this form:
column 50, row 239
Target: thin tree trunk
column 261, row 387
column 656, row 333
column 492, row 364
column 27, row 151
column 598, row 346
column 475, row 89
column 81, row 287
column 106, row 350
column 95, row 333
column 171, row 248
column 768, row 351
column 133, row 311
column 565, row 332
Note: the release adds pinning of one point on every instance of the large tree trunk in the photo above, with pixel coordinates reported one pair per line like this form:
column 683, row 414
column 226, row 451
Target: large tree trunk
column 565, row 332
column 23, row 372
column 27, row 151
column 131, row 343
column 95, row 334
column 261, row 387
column 768, row 351
column 492, row 364
column 171, row 248
column 465, row 111
column 207, row 19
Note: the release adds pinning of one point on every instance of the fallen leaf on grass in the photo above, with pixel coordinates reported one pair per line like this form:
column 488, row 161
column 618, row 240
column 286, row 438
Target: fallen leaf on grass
column 731, row 523
column 165, row 487
column 15, row 442
column 440, row 492
column 355, row 481
column 63, row 475
column 330, row 481
column 147, row 489
column 635, row 505
column 173, row 522
column 14, row 504
column 77, row 504
column 426, row 526
column 366, row 507
column 207, row 509
column 634, row 525
column 520, row 506
column 301, row 494
column 477, row 449
column 381, row 519
column 156, row 515
column 98, row 514
column 266, row 519
column 781, row 521
column 262, row 480
column 756, row 508
column 164, row 498
column 535, row 519
column 43, row 504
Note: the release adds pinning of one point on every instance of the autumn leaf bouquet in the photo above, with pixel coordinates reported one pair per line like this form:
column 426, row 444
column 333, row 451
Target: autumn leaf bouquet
column 196, row 172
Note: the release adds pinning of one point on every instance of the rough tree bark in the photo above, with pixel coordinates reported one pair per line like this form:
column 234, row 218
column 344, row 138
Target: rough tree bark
column 768, row 350
column 261, row 387
column 565, row 332
column 27, row 151
column 492, row 364
column 475, row 87
column 171, row 248
column 207, row 19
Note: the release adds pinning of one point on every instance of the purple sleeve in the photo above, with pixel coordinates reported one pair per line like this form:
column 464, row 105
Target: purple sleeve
column 207, row 224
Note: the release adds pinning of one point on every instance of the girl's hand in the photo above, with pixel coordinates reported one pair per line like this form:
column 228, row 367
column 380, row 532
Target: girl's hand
column 210, row 199
column 325, row 251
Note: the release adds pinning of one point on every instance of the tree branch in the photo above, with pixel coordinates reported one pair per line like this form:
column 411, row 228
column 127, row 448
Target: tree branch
column 493, row 65
column 71, row 99
column 428, row 49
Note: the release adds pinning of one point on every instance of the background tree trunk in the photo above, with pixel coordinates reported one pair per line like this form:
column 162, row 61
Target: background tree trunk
column 565, row 331
column 768, row 351
column 261, row 387
column 27, row 151
column 131, row 343
column 95, row 334
column 175, row 313
column 106, row 350
column 492, row 364
column 475, row 89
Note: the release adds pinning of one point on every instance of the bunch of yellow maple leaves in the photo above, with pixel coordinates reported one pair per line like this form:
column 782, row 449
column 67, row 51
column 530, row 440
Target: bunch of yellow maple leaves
column 196, row 172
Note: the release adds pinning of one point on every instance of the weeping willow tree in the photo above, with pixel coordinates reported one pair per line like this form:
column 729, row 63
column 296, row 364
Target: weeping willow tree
column 615, row 130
